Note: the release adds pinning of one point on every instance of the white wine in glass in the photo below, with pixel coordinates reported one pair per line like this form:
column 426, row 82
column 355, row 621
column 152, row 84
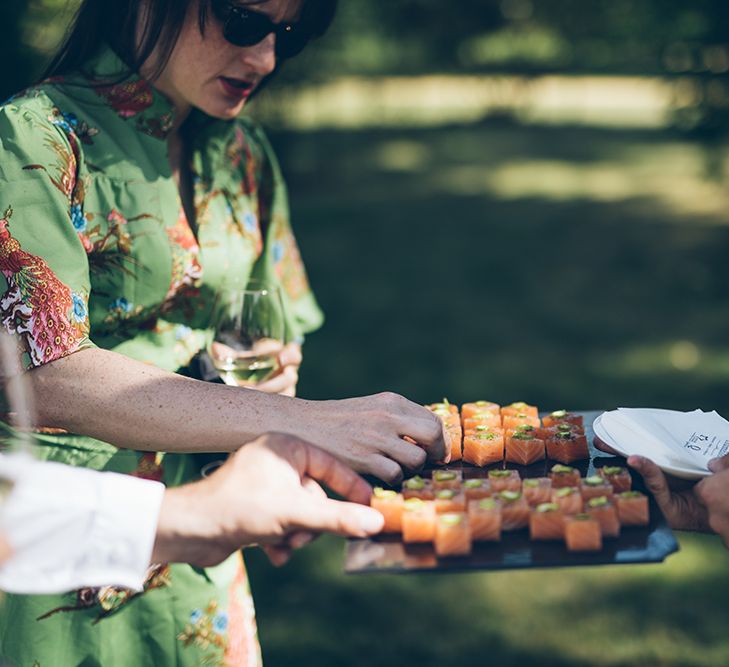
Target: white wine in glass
column 249, row 333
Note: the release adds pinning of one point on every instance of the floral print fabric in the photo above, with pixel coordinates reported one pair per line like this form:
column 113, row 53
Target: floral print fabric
column 95, row 250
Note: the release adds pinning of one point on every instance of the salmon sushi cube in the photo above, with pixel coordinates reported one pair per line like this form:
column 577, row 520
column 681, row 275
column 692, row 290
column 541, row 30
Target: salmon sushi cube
column 546, row 522
column 390, row 505
column 595, row 486
column 475, row 489
column 519, row 408
column 514, row 510
column 524, row 449
column 482, row 419
column 504, row 480
column 563, row 417
column 562, row 475
column 453, row 437
column 537, row 490
column 479, row 407
column 568, row 498
column 483, row 447
column 526, row 429
column 452, row 534
column 444, row 406
column 562, row 430
column 418, row 520
column 447, row 479
column 582, row 533
column 567, row 447
column 606, row 514
column 511, row 422
column 449, row 500
column 417, row 487
column 484, row 517
column 618, row 477
column 632, row 508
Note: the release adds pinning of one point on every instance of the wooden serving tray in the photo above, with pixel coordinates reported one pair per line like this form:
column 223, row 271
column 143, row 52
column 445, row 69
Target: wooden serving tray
column 643, row 544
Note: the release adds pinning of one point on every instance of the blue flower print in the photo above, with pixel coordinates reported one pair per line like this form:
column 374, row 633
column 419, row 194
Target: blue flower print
column 220, row 623
column 121, row 305
column 78, row 219
column 182, row 332
column 250, row 222
column 278, row 251
column 79, row 308
column 196, row 616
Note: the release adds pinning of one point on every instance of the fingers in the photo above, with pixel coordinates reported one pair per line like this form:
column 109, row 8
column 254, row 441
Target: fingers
column 338, row 517
column 5, row 550
column 406, row 454
column 602, row 446
column 284, row 381
column 717, row 465
column 385, row 469
column 290, row 355
column 341, row 479
column 278, row 555
column 427, row 430
column 654, row 480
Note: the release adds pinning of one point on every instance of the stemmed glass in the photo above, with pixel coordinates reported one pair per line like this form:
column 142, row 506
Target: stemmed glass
column 249, row 333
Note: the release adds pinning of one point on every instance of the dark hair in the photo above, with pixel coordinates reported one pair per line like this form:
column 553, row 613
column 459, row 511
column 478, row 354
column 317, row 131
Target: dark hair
column 114, row 23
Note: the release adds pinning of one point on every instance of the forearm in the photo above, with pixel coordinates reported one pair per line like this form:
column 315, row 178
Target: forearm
column 134, row 405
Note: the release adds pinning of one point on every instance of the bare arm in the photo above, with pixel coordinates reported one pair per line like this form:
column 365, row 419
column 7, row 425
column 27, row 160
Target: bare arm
column 133, row 405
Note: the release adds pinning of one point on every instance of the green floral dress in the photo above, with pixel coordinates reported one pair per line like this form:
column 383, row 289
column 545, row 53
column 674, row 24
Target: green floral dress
column 95, row 250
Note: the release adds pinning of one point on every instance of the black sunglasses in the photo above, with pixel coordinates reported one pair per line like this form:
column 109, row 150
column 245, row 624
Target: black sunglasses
column 246, row 27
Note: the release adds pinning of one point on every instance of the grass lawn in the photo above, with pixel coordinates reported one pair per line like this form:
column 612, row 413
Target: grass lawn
column 569, row 267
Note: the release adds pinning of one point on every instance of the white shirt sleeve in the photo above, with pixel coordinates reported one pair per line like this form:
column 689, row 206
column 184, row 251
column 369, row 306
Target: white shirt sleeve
column 70, row 527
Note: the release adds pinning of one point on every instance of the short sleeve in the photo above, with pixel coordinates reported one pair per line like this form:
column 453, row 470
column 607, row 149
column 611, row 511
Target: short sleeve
column 281, row 260
column 45, row 281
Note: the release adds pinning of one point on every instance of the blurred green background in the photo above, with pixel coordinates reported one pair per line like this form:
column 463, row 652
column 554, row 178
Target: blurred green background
column 501, row 199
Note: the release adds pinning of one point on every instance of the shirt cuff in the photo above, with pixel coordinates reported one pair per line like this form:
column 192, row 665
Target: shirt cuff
column 72, row 527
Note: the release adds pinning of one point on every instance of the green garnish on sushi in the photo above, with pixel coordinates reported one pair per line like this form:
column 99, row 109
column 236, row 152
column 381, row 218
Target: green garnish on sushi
column 600, row 501
column 510, row 496
column 451, row 518
column 518, row 404
column 480, row 403
column 558, row 414
column 415, row 483
column 560, row 469
column 500, row 474
column 486, row 436
column 522, row 435
column 564, row 427
column 612, row 470
column 531, row 483
column 564, row 492
column 594, row 480
column 483, row 427
column 445, row 494
column 444, row 476
column 582, row 517
column 487, row 504
column 522, row 428
column 472, row 483
column 547, row 507
column 630, row 494
column 383, row 493
column 412, row 504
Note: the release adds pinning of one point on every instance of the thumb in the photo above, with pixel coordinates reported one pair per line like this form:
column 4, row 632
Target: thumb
column 338, row 517
column 719, row 464
column 654, row 479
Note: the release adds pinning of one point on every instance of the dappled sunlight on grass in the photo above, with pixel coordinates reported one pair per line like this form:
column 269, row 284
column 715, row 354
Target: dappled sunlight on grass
column 608, row 616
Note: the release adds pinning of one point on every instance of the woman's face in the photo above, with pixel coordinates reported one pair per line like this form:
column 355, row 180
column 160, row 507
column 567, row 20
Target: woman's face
column 209, row 73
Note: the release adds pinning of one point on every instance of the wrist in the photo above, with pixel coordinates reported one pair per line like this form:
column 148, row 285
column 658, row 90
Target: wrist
column 185, row 532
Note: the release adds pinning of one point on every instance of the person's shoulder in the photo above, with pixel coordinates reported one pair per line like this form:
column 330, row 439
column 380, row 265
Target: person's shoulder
column 32, row 107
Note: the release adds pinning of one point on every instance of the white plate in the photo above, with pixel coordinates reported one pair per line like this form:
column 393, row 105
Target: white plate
column 684, row 472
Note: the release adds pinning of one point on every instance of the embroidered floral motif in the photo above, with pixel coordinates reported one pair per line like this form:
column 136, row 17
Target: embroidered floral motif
column 243, row 649
column 186, row 269
column 287, row 262
column 71, row 124
column 150, row 467
column 129, row 98
column 109, row 599
column 206, row 629
column 52, row 320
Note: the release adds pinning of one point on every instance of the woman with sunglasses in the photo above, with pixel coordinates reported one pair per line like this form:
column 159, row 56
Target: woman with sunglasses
column 130, row 189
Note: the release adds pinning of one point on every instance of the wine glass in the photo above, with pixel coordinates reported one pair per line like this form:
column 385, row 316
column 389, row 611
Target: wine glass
column 249, row 333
